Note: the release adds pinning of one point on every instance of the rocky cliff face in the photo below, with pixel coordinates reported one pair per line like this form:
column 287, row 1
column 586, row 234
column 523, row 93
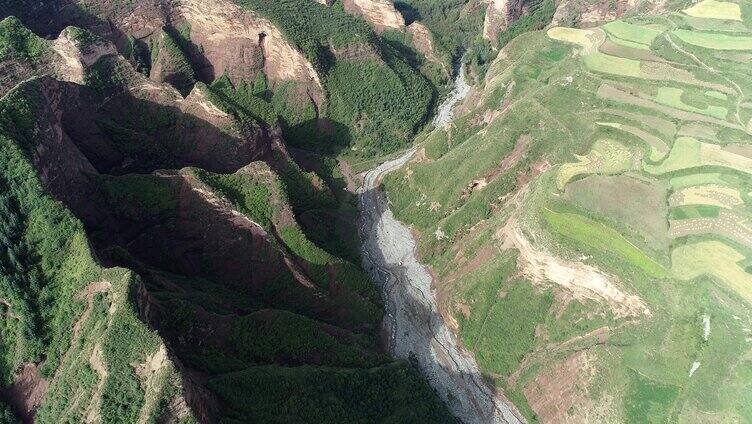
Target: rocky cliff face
column 588, row 13
column 381, row 14
column 500, row 14
column 237, row 43
column 224, row 38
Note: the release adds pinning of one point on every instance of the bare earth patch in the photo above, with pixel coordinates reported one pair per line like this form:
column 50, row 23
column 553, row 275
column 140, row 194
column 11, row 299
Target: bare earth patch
column 584, row 281
column 98, row 365
column 26, row 392
column 150, row 372
column 555, row 391
column 381, row 14
column 512, row 158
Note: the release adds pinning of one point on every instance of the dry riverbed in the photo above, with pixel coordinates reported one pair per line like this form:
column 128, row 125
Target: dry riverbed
column 415, row 328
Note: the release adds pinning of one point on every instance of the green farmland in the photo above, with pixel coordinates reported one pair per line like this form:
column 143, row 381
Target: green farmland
column 633, row 188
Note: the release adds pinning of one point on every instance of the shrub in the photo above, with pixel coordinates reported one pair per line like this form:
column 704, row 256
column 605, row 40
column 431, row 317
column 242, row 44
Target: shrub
column 18, row 41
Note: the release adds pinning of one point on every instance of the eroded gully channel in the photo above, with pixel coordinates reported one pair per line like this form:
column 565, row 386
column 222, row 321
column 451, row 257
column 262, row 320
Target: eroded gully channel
column 415, row 328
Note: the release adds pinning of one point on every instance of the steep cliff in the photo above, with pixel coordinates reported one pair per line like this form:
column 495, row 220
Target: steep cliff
column 156, row 268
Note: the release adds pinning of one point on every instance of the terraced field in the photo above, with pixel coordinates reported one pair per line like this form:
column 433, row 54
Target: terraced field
column 633, row 186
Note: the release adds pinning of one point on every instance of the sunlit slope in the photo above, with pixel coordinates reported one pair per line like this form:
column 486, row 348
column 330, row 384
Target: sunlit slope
column 588, row 218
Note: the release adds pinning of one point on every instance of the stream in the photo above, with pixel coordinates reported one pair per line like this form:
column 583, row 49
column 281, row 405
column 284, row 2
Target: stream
column 416, row 330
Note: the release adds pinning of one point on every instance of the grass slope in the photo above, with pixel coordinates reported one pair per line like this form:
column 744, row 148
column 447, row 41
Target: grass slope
column 635, row 171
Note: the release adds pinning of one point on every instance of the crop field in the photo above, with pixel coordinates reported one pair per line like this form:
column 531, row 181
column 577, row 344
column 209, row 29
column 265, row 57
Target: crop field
column 714, row 258
column 689, row 153
column 723, row 197
column 607, row 157
column 638, row 172
column 721, row 222
column 585, row 38
column 715, row 10
column 636, row 36
column 624, row 199
column 588, row 232
column 714, row 41
column 607, row 64
column 670, row 96
column 658, row 147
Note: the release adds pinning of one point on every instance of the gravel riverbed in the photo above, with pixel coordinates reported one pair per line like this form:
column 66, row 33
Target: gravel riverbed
column 415, row 328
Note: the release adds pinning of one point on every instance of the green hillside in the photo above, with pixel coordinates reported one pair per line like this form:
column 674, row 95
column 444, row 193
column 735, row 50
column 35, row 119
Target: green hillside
column 591, row 228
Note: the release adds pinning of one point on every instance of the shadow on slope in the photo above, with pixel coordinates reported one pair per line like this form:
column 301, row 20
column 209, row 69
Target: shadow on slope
column 205, row 266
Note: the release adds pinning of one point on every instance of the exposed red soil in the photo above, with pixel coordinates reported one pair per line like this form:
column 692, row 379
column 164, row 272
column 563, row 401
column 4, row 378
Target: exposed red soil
column 26, row 392
column 559, row 388
column 512, row 158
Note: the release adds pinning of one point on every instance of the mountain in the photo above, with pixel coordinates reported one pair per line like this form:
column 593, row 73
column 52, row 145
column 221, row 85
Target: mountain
column 167, row 259
column 244, row 211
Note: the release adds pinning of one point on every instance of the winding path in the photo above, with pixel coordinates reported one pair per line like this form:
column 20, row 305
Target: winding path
column 416, row 329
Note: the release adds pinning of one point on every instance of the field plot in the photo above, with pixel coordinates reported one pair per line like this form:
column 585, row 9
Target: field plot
column 631, row 35
column 713, row 41
column 716, row 95
column 607, row 157
column 598, row 236
column 625, row 199
column 588, row 39
column 712, row 194
column 727, row 224
column 715, row 10
column 658, row 148
column 610, row 92
column 671, row 96
column 663, row 126
column 714, row 258
column 696, row 130
column 607, row 64
column 689, row 153
column 684, row 181
column 714, row 25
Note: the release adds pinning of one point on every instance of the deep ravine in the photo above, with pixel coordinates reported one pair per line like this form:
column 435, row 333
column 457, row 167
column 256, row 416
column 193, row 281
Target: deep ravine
column 415, row 328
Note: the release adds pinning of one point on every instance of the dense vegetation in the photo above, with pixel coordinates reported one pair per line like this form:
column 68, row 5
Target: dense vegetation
column 314, row 394
column 454, row 24
column 314, row 28
column 172, row 53
column 16, row 41
column 83, row 38
column 540, row 13
column 7, row 416
column 43, row 269
column 376, row 100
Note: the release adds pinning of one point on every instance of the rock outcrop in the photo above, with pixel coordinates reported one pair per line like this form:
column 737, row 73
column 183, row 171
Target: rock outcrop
column 381, row 14
column 423, row 41
column 238, row 43
column 500, row 14
column 226, row 39
column 587, row 13
column 71, row 59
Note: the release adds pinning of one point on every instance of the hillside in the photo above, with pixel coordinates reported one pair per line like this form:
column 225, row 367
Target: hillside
column 156, row 267
column 586, row 218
